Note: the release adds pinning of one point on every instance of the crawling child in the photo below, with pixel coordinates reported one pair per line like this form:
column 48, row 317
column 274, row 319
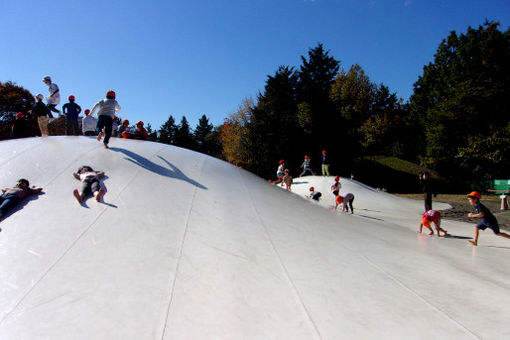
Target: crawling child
column 432, row 216
column 90, row 183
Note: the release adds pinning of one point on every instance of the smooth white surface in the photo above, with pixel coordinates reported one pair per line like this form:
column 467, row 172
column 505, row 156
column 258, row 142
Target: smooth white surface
column 186, row 246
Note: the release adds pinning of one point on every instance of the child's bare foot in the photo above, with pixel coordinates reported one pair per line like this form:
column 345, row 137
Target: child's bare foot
column 99, row 136
column 77, row 195
column 431, row 233
column 99, row 194
column 473, row 243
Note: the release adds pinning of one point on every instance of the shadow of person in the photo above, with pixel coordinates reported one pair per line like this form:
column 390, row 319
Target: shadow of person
column 172, row 171
column 457, row 237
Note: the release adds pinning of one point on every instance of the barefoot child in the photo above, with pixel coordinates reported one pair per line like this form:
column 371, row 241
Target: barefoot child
column 347, row 200
column 432, row 216
column 12, row 196
column 287, row 179
column 488, row 219
column 107, row 108
column 90, row 183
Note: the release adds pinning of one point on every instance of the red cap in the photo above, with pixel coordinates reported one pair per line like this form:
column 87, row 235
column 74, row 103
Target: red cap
column 281, row 161
column 19, row 115
column 323, row 151
column 139, row 122
column 125, row 121
column 475, row 194
column 312, row 188
column 306, row 156
column 110, row 94
column 87, row 111
column 337, row 178
column 71, row 98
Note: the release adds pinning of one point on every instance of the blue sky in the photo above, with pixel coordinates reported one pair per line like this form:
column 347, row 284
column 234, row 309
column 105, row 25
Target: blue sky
column 203, row 57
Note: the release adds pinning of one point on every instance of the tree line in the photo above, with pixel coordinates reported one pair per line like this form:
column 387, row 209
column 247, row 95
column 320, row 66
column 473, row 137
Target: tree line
column 456, row 121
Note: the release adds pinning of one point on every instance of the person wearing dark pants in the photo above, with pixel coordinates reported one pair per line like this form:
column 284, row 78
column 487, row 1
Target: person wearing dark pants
column 106, row 113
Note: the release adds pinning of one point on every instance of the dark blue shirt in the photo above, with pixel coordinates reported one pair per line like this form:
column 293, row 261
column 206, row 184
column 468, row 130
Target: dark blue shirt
column 488, row 217
column 71, row 110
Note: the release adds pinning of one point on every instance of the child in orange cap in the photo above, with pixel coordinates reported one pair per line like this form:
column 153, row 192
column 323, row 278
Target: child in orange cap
column 432, row 216
column 347, row 200
column 488, row 219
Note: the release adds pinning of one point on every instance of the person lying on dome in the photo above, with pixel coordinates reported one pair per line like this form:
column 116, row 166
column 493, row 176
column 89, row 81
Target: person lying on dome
column 90, row 183
column 12, row 196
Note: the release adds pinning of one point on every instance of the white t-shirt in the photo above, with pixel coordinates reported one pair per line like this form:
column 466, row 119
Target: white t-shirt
column 88, row 123
column 106, row 107
column 55, row 99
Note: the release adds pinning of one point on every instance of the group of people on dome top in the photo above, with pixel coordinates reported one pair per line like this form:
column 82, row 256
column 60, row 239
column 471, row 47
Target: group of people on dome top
column 106, row 126
column 283, row 177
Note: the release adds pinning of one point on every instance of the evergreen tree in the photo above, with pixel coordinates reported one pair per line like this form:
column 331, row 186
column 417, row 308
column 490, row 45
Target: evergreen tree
column 274, row 127
column 202, row 130
column 167, row 131
column 153, row 135
column 183, row 135
column 316, row 76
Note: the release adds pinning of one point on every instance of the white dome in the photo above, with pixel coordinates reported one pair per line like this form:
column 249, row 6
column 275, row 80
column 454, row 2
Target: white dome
column 186, row 246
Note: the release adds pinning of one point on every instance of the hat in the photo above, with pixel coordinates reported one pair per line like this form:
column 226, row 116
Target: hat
column 323, row 151
column 337, row 178
column 19, row 115
column 475, row 194
column 47, row 78
column 306, row 156
column 87, row 111
column 312, row 188
column 71, row 98
column 139, row 122
column 125, row 121
column 110, row 94
column 39, row 96
column 281, row 161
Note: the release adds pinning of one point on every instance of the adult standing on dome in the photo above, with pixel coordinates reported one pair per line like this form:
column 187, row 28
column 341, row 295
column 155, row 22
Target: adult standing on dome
column 325, row 164
column 54, row 98
column 106, row 112
column 71, row 111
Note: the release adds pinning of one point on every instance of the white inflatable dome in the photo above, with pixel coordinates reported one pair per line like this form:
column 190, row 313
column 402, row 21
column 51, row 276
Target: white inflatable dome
column 185, row 246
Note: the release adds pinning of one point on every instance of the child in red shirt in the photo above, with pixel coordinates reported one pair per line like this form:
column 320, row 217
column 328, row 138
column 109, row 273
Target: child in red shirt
column 432, row 216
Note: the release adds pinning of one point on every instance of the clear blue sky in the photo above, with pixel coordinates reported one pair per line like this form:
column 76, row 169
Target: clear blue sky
column 200, row 57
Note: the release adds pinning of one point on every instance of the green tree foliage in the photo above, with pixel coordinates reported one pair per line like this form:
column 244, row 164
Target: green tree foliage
column 183, row 135
column 167, row 131
column 462, row 98
column 316, row 75
column 384, row 131
column 274, row 127
column 152, row 134
column 201, row 132
column 14, row 99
